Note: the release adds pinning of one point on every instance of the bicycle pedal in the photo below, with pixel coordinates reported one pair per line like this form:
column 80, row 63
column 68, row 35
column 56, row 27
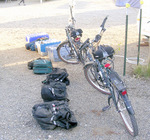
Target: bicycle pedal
column 106, row 108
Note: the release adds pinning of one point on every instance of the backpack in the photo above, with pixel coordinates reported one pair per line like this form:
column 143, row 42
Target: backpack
column 57, row 75
column 31, row 46
column 40, row 66
column 50, row 115
column 54, row 91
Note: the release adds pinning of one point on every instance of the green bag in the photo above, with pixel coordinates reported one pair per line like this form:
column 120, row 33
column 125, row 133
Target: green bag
column 42, row 66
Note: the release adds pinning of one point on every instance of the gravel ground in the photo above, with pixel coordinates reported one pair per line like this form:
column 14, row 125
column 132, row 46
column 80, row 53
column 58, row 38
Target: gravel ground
column 20, row 88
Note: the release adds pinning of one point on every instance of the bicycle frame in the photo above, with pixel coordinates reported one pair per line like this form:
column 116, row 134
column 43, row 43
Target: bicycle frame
column 108, row 79
column 78, row 50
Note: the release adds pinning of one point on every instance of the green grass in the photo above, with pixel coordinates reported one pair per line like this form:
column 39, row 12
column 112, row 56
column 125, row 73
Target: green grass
column 142, row 71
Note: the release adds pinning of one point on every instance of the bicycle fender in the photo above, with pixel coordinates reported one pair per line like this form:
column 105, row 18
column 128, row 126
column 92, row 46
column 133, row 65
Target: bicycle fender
column 116, row 81
column 128, row 104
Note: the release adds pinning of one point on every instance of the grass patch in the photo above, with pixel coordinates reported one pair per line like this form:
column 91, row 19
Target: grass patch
column 142, row 71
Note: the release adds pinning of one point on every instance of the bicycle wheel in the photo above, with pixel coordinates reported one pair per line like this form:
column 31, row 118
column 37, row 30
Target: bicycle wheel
column 129, row 120
column 94, row 79
column 66, row 53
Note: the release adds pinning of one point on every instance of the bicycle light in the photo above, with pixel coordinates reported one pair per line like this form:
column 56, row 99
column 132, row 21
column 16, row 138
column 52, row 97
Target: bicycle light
column 77, row 39
column 124, row 92
column 107, row 65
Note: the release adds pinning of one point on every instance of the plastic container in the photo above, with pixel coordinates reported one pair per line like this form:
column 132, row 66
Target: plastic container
column 52, row 53
column 41, row 45
column 38, row 46
column 33, row 37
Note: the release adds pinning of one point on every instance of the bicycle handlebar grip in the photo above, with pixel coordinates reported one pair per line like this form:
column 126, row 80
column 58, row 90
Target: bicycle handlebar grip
column 104, row 21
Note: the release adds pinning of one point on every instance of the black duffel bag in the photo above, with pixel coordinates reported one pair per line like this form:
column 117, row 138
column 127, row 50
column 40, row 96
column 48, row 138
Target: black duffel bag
column 54, row 91
column 49, row 115
column 57, row 75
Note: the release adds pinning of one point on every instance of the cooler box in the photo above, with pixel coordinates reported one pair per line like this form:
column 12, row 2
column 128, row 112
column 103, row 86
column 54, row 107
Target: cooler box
column 34, row 37
column 41, row 45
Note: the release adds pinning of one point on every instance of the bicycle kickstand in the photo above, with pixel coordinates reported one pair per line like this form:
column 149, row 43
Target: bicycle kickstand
column 108, row 106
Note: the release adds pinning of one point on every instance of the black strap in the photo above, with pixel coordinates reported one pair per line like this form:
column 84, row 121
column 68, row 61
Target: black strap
column 61, row 77
column 62, row 123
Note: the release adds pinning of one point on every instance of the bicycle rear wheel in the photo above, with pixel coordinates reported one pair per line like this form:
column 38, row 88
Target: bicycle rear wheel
column 66, row 53
column 94, row 79
column 129, row 119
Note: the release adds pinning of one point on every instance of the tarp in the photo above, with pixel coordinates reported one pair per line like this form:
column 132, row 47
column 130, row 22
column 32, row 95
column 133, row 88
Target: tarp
column 133, row 3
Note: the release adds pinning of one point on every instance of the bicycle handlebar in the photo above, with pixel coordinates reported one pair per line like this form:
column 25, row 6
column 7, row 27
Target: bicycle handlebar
column 102, row 29
column 97, row 37
column 104, row 21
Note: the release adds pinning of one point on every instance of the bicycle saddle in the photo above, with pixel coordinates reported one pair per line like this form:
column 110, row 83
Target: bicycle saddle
column 103, row 51
column 77, row 32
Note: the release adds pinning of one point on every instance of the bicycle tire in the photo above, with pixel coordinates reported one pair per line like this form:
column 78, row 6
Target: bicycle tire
column 66, row 53
column 129, row 120
column 91, row 78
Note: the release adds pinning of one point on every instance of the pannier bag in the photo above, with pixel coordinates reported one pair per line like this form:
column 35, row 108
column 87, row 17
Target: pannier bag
column 30, row 65
column 54, row 91
column 77, row 32
column 50, row 115
column 57, row 75
column 99, row 54
column 40, row 66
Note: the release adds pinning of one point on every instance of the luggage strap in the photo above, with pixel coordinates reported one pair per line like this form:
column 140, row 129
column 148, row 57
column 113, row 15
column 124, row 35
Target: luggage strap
column 64, row 121
column 61, row 77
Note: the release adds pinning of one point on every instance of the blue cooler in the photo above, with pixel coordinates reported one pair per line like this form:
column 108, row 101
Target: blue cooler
column 41, row 45
column 34, row 37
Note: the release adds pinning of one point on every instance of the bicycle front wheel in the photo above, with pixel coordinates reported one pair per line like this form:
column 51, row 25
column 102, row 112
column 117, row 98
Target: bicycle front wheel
column 129, row 119
column 66, row 53
column 94, row 79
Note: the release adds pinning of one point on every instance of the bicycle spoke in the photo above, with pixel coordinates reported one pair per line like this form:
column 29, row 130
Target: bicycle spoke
column 92, row 77
column 67, row 54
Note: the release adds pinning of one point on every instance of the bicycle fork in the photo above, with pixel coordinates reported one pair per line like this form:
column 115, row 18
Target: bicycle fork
column 126, row 101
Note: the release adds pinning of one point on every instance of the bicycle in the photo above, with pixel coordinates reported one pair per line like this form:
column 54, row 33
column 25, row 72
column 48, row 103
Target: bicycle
column 71, row 50
column 101, row 75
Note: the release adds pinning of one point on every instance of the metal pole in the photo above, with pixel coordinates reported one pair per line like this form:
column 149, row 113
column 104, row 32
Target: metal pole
column 126, row 35
column 141, row 2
